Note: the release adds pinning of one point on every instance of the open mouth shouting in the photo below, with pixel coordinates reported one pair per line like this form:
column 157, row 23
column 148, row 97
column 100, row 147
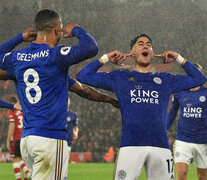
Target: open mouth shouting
column 145, row 54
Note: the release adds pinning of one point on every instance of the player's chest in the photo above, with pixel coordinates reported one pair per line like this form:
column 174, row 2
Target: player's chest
column 133, row 86
column 193, row 99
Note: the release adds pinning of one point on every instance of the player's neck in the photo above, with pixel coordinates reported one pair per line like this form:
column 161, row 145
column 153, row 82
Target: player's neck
column 43, row 38
column 195, row 88
column 142, row 69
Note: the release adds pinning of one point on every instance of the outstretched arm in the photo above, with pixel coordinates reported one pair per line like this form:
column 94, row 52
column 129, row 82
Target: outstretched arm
column 89, row 75
column 86, row 48
column 4, row 104
column 92, row 94
column 28, row 35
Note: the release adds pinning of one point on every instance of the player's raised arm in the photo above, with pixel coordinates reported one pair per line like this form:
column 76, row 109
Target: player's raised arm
column 170, row 56
column 182, row 82
column 92, row 94
column 27, row 36
column 114, row 57
column 89, row 75
column 86, row 48
column 173, row 112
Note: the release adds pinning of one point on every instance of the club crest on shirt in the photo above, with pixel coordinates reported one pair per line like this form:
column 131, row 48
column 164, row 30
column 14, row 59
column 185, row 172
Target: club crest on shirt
column 157, row 80
column 68, row 119
column 65, row 50
column 122, row 174
column 131, row 79
column 202, row 98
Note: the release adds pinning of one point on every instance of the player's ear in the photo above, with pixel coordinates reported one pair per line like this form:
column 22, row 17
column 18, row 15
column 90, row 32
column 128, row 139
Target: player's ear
column 132, row 53
column 56, row 30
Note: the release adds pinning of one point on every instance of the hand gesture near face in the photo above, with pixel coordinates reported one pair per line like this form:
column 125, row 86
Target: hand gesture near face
column 167, row 56
column 68, row 30
column 116, row 57
column 29, row 35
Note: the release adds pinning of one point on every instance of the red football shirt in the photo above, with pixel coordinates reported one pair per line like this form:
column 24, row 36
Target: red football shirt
column 16, row 117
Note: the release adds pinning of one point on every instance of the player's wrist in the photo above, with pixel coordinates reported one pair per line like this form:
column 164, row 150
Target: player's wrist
column 104, row 58
column 180, row 59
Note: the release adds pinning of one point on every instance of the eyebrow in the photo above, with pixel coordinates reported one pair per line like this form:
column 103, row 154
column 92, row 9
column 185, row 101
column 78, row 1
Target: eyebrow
column 148, row 42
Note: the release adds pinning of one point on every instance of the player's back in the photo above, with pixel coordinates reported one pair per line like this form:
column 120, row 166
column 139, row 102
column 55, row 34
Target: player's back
column 42, row 88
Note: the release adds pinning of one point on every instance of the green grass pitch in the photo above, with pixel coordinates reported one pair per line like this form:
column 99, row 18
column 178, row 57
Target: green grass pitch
column 85, row 171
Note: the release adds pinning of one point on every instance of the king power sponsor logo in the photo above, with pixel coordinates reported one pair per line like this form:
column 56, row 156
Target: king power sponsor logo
column 139, row 95
column 194, row 112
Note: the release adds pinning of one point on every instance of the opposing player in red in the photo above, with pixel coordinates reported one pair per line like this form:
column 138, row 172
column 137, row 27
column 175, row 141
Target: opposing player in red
column 14, row 136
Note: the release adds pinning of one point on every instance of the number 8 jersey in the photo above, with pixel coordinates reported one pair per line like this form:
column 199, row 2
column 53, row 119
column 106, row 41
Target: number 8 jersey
column 41, row 75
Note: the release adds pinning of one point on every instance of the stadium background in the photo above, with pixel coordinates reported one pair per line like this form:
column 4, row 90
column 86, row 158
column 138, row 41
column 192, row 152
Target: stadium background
column 178, row 25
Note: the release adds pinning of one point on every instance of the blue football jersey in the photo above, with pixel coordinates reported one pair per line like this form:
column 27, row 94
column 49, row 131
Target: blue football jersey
column 42, row 79
column 192, row 124
column 143, row 99
column 72, row 120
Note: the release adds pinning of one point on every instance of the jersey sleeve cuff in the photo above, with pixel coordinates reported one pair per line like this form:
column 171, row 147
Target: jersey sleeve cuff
column 98, row 62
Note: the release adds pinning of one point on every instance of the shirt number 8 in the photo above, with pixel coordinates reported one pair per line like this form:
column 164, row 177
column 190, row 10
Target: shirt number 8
column 32, row 85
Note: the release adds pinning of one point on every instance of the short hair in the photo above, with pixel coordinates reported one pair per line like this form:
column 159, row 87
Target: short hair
column 13, row 100
column 198, row 66
column 133, row 41
column 44, row 20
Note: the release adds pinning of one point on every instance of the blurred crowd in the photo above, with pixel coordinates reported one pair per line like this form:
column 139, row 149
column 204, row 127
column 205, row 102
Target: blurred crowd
column 99, row 125
column 178, row 25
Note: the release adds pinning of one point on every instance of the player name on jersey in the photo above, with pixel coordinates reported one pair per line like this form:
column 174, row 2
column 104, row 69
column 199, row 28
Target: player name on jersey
column 145, row 96
column 30, row 57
